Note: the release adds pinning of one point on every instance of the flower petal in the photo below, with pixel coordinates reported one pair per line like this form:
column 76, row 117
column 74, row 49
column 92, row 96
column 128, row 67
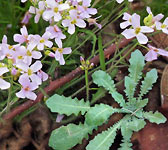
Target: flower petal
column 31, row 95
column 129, row 33
column 151, row 55
column 142, row 39
column 36, row 66
column 4, row 85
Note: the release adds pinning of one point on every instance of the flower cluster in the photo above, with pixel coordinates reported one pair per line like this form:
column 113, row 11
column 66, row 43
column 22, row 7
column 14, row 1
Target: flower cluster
column 22, row 60
column 152, row 23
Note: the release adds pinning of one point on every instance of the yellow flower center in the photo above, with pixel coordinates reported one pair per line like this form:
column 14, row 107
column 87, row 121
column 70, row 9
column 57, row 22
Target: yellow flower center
column 42, row 41
column 130, row 20
column 56, row 9
column 74, row 21
column 20, row 57
column 163, row 26
column 29, row 53
column 29, row 72
column 10, row 47
column 137, row 30
column 60, row 50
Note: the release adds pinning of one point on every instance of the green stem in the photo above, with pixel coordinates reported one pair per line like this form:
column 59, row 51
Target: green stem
column 87, row 84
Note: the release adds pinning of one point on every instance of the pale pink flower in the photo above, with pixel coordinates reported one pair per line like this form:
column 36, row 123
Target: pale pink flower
column 30, row 71
column 9, row 51
column 154, row 52
column 56, row 34
column 30, row 55
column 163, row 26
column 23, row 37
column 38, row 11
column 137, row 30
column 54, row 10
column 19, row 54
column 33, row 40
column 74, row 20
column 3, row 84
column 59, row 52
column 85, row 11
column 22, row 54
column 43, row 41
column 27, row 88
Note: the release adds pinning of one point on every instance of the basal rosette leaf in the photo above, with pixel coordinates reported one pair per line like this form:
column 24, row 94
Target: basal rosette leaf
column 103, row 79
column 67, row 105
column 99, row 114
column 148, row 82
column 68, row 136
column 126, row 142
column 104, row 140
column 137, row 62
column 156, row 117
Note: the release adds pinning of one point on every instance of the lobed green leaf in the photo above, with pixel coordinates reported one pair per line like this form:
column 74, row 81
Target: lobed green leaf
column 148, row 82
column 156, row 117
column 104, row 140
column 137, row 62
column 68, row 136
column 67, row 105
column 103, row 79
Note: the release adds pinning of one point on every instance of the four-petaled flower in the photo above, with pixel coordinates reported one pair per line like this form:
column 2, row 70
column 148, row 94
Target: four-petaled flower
column 137, row 30
column 27, row 88
column 59, row 54
column 74, row 20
